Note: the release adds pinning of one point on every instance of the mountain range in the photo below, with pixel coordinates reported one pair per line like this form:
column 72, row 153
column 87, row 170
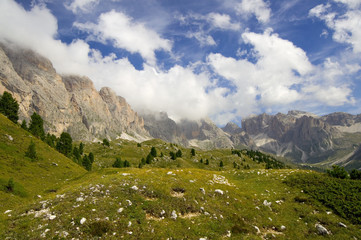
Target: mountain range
column 71, row 103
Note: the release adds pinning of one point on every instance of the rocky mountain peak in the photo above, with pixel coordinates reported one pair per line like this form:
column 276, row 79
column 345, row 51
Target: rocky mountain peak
column 232, row 128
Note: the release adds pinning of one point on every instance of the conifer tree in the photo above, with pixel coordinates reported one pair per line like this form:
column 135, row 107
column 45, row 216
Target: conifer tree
column 9, row 107
column 221, row 164
column 91, row 157
column 65, row 144
column 86, row 163
column 37, row 126
column 24, row 125
column 193, row 152
column 81, row 148
column 118, row 163
column 31, row 152
column 153, row 152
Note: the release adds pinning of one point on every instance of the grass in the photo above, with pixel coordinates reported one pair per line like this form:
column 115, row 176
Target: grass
column 168, row 199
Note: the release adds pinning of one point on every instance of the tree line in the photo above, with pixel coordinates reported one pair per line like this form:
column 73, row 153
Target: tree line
column 63, row 144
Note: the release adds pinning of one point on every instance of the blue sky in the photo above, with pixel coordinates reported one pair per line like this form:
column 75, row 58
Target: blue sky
column 208, row 58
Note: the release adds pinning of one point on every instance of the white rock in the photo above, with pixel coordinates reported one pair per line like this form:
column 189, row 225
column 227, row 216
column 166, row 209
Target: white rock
column 39, row 196
column 321, row 230
column 283, row 228
column 266, row 203
column 51, row 217
column 202, row 190
column 162, row 212
column 219, row 191
column 257, row 229
column 174, row 215
column 7, row 211
column 229, row 234
column 135, row 188
column 342, row 225
column 129, row 202
column 120, row 210
column 82, row 221
column 205, row 238
column 80, row 199
column 64, row 234
column 169, row 173
column 129, row 223
column 10, row 138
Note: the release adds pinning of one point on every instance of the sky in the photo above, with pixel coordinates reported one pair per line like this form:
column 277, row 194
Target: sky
column 193, row 59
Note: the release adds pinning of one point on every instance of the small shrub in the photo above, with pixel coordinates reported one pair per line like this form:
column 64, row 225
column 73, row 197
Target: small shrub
column 337, row 172
column 31, row 152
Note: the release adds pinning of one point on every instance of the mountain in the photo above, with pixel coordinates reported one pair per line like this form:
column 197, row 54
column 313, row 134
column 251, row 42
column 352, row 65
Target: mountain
column 66, row 103
column 303, row 137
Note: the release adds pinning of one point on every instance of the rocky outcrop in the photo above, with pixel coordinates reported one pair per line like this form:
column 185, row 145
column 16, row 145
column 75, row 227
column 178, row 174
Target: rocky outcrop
column 66, row 103
column 203, row 133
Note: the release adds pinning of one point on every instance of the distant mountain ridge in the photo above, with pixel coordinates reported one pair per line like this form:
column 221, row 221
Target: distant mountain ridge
column 72, row 104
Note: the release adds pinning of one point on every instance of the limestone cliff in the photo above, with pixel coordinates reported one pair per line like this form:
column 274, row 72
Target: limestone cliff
column 66, row 103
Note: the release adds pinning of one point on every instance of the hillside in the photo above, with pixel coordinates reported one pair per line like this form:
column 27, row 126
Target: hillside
column 175, row 199
column 32, row 179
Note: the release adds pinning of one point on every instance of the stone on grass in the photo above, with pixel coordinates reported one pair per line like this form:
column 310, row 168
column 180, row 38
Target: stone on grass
column 342, row 225
column 174, row 215
column 120, row 210
column 82, row 221
column 219, row 191
column 80, row 199
column 321, row 230
column 135, row 188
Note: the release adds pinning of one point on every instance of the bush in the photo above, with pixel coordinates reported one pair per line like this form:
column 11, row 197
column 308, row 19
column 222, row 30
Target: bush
column 106, row 142
column 337, row 172
column 31, row 152
column 118, row 163
column 355, row 174
column 153, row 152
column 341, row 195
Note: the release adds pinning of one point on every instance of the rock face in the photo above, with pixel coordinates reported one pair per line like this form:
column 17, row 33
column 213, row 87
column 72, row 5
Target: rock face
column 66, row 103
column 203, row 133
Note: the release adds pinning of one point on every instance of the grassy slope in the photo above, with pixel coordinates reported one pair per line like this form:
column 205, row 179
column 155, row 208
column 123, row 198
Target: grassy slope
column 164, row 185
column 50, row 172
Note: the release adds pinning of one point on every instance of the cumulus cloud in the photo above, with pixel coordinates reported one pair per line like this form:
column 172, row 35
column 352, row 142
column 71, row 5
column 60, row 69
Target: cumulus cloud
column 281, row 76
column 346, row 27
column 81, row 5
column 258, row 8
column 124, row 33
column 178, row 91
column 222, row 21
column 205, row 24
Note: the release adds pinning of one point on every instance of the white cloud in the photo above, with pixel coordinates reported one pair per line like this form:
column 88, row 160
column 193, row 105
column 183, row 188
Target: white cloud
column 222, row 21
column 350, row 3
column 259, row 8
column 81, row 5
column 124, row 33
column 281, row 77
column 347, row 27
column 178, row 91
column 205, row 24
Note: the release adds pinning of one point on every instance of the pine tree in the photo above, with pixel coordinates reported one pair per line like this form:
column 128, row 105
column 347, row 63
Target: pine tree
column 86, row 163
column 106, row 142
column 118, row 163
column 76, row 154
column 37, row 126
column 153, row 152
column 65, row 144
column 149, row 159
column 142, row 161
column 31, row 152
column 24, row 125
column 91, row 157
column 50, row 140
column 207, row 162
column 126, row 163
column 173, row 156
column 179, row 153
column 193, row 152
column 81, row 148
column 9, row 107
column 221, row 164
